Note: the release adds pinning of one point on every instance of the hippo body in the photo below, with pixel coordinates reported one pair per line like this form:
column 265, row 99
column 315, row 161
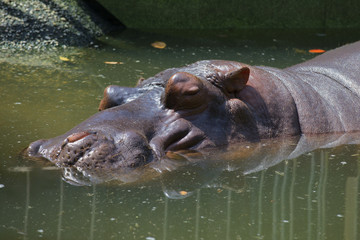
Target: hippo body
column 326, row 90
column 212, row 104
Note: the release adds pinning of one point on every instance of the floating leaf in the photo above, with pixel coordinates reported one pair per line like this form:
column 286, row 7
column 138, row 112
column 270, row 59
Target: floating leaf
column 316, row 51
column 65, row 59
column 297, row 50
column 113, row 63
column 183, row 193
column 159, row 45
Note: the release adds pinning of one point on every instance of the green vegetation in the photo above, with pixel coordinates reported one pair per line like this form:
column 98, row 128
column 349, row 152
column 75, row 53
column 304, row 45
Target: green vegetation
column 216, row 14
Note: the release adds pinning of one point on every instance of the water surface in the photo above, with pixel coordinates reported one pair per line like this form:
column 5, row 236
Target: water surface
column 312, row 196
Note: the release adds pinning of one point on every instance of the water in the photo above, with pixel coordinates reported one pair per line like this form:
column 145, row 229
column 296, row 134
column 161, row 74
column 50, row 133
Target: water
column 312, row 196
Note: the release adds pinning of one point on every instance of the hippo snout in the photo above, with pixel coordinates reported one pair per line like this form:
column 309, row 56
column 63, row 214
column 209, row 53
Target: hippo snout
column 34, row 148
column 93, row 149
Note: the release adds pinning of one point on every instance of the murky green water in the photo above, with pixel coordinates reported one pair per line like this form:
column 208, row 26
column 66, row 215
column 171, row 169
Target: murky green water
column 313, row 196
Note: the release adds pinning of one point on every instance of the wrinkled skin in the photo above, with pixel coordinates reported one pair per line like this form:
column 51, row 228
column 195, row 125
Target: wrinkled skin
column 211, row 104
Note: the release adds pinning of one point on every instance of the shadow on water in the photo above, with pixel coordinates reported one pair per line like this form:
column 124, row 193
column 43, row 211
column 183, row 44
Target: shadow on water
column 306, row 188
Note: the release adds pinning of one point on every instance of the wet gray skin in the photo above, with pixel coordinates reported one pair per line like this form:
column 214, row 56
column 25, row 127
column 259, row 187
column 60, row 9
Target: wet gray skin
column 126, row 136
column 211, row 104
column 141, row 125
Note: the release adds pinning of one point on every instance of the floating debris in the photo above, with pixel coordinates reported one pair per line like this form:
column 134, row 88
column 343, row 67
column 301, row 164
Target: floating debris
column 159, row 45
column 316, row 51
column 65, row 59
column 183, row 193
column 297, row 50
column 113, row 63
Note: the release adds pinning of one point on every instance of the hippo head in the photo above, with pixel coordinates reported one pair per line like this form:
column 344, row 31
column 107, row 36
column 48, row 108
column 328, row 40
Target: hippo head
column 176, row 112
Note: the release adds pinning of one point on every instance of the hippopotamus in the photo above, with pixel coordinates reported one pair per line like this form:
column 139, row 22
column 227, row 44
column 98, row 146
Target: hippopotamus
column 211, row 104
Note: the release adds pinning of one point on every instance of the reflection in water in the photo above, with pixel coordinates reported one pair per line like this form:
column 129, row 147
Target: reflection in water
column 321, row 196
column 275, row 207
column 27, row 204
column 309, row 196
column 197, row 217
column 260, row 204
column 165, row 222
column 300, row 206
column 228, row 214
column 225, row 170
column 61, row 209
column 283, row 202
column 291, row 200
column 93, row 212
column 351, row 206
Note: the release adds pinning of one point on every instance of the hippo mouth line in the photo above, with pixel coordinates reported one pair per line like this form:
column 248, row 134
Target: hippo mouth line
column 188, row 141
column 101, row 149
column 90, row 147
column 177, row 136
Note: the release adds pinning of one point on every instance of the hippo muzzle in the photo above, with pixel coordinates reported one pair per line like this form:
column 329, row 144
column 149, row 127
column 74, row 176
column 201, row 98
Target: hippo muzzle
column 95, row 149
column 126, row 136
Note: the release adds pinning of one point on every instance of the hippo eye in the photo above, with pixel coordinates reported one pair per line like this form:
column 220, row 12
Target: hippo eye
column 192, row 90
column 184, row 91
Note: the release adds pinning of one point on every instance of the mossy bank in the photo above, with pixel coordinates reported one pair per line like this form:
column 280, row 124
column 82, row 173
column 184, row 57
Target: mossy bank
column 43, row 25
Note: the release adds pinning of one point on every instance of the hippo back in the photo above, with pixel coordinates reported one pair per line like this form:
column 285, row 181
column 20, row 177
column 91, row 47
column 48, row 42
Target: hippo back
column 326, row 90
column 341, row 65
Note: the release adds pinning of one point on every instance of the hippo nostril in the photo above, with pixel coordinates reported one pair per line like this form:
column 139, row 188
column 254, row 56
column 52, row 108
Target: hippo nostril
column 34, row 147
column 77, row 136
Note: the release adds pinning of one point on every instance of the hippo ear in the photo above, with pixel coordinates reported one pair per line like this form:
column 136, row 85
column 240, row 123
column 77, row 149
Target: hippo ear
column 235, row 81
